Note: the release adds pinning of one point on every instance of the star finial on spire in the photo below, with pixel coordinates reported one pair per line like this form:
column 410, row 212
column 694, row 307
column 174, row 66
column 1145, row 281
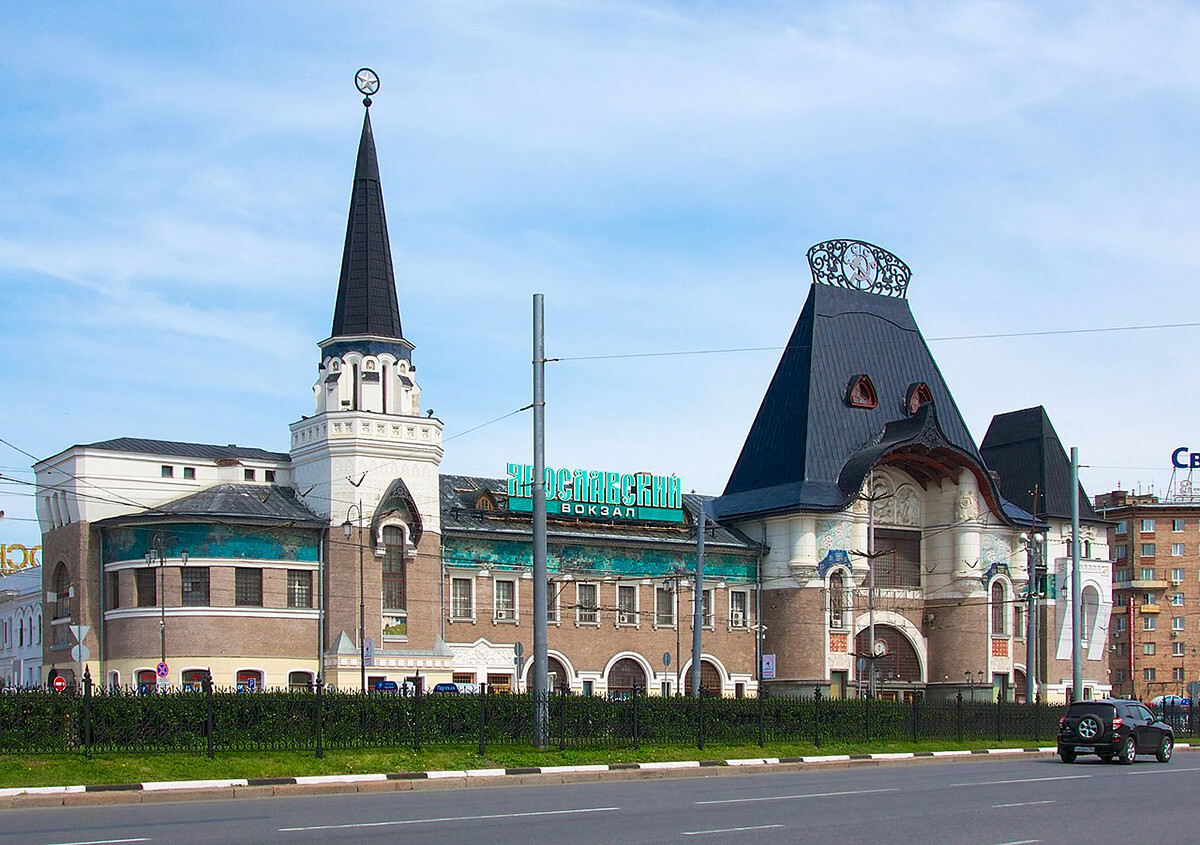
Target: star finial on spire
column 367, row 83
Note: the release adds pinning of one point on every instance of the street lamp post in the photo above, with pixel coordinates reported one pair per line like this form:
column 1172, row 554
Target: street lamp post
column 157, row 553
column 347, row 526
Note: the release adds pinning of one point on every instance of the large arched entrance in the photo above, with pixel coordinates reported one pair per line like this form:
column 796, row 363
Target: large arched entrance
column 895, row 662
column 710, row 679
column 557, row 677
column 626, row 675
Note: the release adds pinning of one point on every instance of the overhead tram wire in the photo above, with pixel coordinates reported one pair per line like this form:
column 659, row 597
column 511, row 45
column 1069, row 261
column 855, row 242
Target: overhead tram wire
column 994, row 336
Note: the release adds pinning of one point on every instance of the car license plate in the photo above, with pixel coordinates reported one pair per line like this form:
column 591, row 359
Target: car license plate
column 1085, row 749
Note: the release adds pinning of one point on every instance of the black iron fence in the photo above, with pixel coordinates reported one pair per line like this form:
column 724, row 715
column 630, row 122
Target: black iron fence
column 211, row 720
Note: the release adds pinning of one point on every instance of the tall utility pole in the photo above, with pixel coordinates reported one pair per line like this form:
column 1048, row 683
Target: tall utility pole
column 698, row 598
column 871, row 589
column 1076, row 610
column 1031, row 559
column 541, row 702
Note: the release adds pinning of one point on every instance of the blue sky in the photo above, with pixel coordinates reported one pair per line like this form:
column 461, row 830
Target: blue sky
column 176, row 178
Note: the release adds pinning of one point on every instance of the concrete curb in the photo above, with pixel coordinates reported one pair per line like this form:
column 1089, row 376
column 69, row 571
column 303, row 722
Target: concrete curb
column 132, row 793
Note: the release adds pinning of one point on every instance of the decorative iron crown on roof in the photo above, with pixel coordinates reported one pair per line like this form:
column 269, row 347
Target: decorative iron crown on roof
column 858, row 265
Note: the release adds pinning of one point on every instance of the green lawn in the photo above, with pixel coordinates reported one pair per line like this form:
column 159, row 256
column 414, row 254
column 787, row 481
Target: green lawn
column 65, row 769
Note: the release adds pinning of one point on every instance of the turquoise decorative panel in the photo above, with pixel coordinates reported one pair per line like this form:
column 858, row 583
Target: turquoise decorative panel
column 202, row 541
column 577, row 559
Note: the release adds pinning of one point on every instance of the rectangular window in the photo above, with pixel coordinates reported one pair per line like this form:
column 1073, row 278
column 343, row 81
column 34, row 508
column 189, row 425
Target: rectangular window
column 552, row 602
column 1177, row 576
column 1147, row 550
column 1019, row 620
column 168, row 471
column 147, row 587
column 1177, row 599
column 1121, row 652
column 739, row 616
column 270, row 476
column 248, row 474
column 1121, row 576
column 1122, row 527
column 1150, row 598
column 1147, row 526
column 1122, row 552
column 1177, row 649
column 300, row 591
column 1148, row 623
column 1120, row 676
column 1176, row 524
column 189, row 473
column 707, row 603
column 627, row 604
column 1148, row 648
column 1147, row 574
column 461, row 606
column 193, row 586
column 1176, row 623
column 505, row 596
column 247, row 587
column 1177, row 550
column 1120, row 623
column 112, row 590
column 1177, row 673
column 898, row 559
column 587, row 607
column 664, row 606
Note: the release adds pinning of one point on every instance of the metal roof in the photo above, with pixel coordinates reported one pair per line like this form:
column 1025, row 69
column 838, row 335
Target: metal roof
column 366, row 297
column 176, row 449
column 269, row 503
column 808, row 449
column 1024, row 450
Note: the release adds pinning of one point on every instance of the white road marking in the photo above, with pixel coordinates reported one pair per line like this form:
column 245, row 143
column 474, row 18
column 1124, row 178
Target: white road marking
column 1171, row 771
column 1022, row 780
column 1021, row 842
column 728, row 830
column 1022, row 804
column 450, row 819
column 792, row 797
column 105, row 841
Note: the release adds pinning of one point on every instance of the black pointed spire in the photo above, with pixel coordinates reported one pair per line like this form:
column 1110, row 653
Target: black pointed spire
column 366, row 297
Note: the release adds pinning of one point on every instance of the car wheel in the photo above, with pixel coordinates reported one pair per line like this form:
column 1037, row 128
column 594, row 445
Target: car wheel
column 1164, row 749
column 1088, row 728
column 1067, row 756
column 1128, row 752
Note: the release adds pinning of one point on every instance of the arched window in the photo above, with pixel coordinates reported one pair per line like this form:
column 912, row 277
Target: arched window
column 837, row 600
column 394, row 597
column 147, row 681
column 998, row 608
column 557, row 673
column 1089, row 607
column 918, row 395
column 248, row 680
column 710, row 679
column 62, row 591
column 860, row 393
column 626, row 675
column 300, row 681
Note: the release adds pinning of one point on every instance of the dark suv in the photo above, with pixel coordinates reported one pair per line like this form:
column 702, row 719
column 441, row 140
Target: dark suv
column 1113, row 727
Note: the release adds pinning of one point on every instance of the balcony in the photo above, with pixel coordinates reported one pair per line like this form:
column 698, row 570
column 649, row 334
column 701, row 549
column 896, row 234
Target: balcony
column 1146, row 584
column 1149, row 608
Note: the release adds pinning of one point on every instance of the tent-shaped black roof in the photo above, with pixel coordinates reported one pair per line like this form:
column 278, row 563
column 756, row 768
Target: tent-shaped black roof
column 1024, row 450
column 809, row 448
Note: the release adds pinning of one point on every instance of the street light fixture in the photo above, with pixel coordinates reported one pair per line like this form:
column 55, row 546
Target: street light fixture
column 157, row 553
column 347, row 528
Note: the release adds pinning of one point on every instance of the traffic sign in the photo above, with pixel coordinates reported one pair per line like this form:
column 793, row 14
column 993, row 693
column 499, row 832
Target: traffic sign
column 369, row 651
column 162, row 670
column 80, row 652
column 666, row 658
column 80, row 631
column 60, row 683
column 518, row 649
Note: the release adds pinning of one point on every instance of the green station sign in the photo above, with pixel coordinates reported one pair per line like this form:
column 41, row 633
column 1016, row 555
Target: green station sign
column 599, row 495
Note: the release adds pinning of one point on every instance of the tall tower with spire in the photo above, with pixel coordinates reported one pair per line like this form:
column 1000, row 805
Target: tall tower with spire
column 367, row 456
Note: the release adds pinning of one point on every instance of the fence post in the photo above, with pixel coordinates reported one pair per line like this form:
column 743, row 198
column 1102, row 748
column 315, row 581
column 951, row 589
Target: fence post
column 1037, row 717
column 959, row 714
column 208, row 714
column 868, row 716
column 999, row 701
column 320, row 719
column 761, row 730
column 482, row 717
column 916, row 716
column 416, row 717
column 700, row 720
column 87, row 711
column 817, row 717
column 562, row 719
column 635, row 717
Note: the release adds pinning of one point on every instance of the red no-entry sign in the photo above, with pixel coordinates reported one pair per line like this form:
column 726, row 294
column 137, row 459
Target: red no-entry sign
column 60, row 683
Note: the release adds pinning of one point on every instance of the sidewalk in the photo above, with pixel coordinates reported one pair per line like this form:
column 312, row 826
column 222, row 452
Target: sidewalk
column 209, row 790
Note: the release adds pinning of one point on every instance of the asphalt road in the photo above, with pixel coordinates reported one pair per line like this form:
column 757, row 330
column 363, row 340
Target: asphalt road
column 988, row 801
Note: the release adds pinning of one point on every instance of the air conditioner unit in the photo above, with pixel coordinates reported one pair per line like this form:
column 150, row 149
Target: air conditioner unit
column 505, row 615
column 739, row 619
